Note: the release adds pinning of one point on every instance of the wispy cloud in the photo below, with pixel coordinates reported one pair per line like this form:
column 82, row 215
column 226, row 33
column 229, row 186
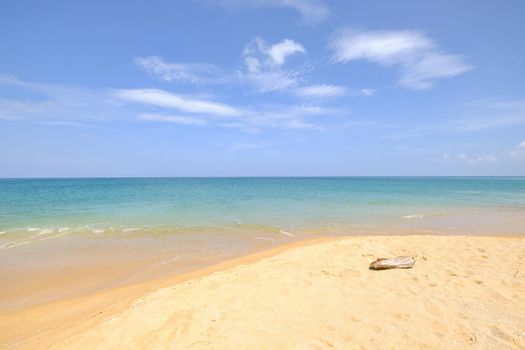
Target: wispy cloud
column 177, row 119
column 68, row 123
column 491, row 115
column 420, row 60
column 193, row 73
column 280, row 117
column 470, row 159
column 477, row 118
column 367, row 92
column 367, row 124
column 263, row 68
column 162, row 98
column 244, row 146
column 518, row 151
column 20, row 109
column 263, row 64
column 321, row 90
column 259, row 55
column 251, row 119
column 57, row 103
column 311, row 11
column 280, row 51
column 76, row 106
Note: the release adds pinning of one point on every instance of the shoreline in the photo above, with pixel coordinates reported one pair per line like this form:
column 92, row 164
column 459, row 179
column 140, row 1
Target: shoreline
column 56, row 321
column 84, row 310
column 69, row 268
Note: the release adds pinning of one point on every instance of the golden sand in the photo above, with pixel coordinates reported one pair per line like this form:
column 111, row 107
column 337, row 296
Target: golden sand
column 463, row 292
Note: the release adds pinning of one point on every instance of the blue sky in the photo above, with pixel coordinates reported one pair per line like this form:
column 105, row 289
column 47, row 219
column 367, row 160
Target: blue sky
column 269, row 88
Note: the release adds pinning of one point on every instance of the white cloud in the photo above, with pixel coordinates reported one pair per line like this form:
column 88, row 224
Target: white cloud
column 252, row 118
column 243, row 146
column 367, row 124
column 311, row 11
column 300, row 124
column 285, row 117
column 185, row 72
column 278, row 52
column 518, row 151
column 492, row 115
column 421, row 73
column 67, row 123
column 258, row 54
column 419, row 58
column 54, row 103
column 271, row 81
column 167, row 99
column 177, row 119
column 480, row 117
column 262, row 67
column 470, row 159
column 309, row 109
column 366, row 92
column 74, row 106
column 263, row 64
column 20, row 109
column 321, row 90
column 378, row 46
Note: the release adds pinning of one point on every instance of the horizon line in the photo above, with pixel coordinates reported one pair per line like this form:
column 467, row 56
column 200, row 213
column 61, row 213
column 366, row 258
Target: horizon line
column 252, row 176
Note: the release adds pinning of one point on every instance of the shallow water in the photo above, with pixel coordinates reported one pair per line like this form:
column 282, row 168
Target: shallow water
column 173, row 205
column 91, row 234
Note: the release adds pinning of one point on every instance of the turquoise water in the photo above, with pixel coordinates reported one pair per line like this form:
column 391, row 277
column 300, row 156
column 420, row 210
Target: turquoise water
column 282, row 205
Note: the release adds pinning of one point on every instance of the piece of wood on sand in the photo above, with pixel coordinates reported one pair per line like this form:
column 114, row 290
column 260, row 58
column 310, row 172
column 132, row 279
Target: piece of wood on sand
column 400, row 262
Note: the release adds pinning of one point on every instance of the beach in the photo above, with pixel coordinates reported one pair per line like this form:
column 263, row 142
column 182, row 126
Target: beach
column 267, row 263
column 463, row 292
column 264, row 174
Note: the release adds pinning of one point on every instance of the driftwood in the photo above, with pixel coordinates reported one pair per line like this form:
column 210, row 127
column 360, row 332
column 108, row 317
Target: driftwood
column 400, row 262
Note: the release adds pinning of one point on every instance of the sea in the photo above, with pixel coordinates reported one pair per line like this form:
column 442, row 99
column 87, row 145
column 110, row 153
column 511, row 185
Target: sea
column 34, row 209
column 99, row 233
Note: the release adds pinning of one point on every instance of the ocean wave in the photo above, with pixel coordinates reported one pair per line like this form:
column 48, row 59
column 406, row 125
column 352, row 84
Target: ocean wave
column 412, row 216
column 177, row 258
column 265, row 239
column 237, row 221
column 286, row 233
column 31, row 240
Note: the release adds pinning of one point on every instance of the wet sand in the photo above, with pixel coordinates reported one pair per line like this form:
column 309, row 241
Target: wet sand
column 71, row 267
column 463, row 292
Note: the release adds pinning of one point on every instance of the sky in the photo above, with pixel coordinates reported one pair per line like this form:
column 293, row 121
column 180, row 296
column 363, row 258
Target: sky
column 261, row 88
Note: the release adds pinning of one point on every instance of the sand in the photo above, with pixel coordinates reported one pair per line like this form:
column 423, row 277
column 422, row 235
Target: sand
column 463, row 292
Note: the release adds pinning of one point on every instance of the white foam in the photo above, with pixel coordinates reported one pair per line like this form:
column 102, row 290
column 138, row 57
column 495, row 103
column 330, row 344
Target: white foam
column 8, row 245
column 63, row 229
column 32, row 229
column 289, row 234
column 97, row 231
column 130, row 229
column 29, row 241
column 413, row 216
column 226, row 253
column 2, row 232
column 169, row 260
column 43, row 232
column 265, row 239
column 237, row 221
